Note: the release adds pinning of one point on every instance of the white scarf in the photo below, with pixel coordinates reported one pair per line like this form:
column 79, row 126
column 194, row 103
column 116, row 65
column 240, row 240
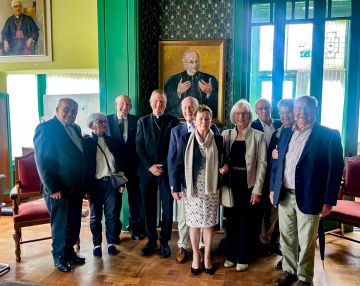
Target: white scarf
column 211, row 165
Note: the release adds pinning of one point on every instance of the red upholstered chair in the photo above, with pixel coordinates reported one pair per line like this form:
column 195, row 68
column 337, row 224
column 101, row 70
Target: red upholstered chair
column 29, row 207
column 347, row 211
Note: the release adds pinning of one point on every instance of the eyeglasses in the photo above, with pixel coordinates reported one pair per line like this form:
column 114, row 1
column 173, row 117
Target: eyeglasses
column 193, row 62
column 245, row 113
column 262, row 108
column 101, row 121
column 67, row 110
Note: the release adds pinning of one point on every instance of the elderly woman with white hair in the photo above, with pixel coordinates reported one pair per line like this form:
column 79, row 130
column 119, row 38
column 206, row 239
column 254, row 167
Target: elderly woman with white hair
column 20, row 33
column 103, row 159
column 245, row 157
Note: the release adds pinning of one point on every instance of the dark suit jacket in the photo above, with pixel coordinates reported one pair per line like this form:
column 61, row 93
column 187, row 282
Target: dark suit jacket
column 90, row 144
column 60, row 163
column 179, row 173
column 176, row 133
column 150, row 150
column 128, row 153
column 318, row 172
column 256, row 124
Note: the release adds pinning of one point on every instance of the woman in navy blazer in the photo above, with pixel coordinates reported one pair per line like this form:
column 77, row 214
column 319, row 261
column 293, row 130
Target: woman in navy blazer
column 197, row 167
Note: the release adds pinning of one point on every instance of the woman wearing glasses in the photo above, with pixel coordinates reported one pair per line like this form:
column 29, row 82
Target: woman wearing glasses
column 245, row 154
column 103, row 160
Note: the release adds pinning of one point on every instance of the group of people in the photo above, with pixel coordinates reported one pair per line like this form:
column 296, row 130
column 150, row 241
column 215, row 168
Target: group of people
column 272, row 166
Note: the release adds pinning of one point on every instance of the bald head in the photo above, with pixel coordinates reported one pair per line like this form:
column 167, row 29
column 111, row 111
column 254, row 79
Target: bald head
column 191, row 62
column 122, row 105
column 263, row 110
column 66, row 110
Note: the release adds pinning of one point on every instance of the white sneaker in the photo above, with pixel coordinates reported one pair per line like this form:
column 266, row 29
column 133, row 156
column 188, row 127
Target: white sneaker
column 241, row 267
column 228, row 264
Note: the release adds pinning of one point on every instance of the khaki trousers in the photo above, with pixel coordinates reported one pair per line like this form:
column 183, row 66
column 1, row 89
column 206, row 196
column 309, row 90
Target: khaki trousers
column 297, row 229
column 183, row 228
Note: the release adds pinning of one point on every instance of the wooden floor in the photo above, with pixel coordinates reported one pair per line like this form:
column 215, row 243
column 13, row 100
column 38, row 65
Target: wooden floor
column 342, row 264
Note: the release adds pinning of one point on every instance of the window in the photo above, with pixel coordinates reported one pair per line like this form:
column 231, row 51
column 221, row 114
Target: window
column 24, row 115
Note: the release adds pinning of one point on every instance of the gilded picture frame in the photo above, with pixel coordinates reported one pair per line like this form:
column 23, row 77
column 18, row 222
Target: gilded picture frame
column 40, row 48
column 173, row 56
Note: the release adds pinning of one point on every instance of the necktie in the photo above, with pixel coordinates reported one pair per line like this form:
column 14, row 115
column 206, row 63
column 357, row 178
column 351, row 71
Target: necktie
column 121, row 125
column 74, row 135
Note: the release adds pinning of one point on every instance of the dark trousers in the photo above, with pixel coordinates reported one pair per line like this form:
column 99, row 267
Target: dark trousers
column 104, row 198
column 65, row 221
column 242, row 223
column 149, row 187
column 135, row 209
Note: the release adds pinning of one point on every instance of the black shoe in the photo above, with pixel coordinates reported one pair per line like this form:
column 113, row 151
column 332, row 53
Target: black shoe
column 148, row 249
column 209, row 271
column 97, row 252
column 117, row 241
column 137, row 236
column 61, row 265
column 275, row 248
column 265, row 249
column 165, row 250
column 196, row 271
column 112, row 250
column 75, row 259
column 285, row 279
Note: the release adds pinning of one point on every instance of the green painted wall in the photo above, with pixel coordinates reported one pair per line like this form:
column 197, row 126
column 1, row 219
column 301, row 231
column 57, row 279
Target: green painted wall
column 74, row 39
column 118, row 52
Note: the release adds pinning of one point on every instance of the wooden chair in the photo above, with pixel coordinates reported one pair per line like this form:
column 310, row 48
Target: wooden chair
column 29, row 207
column 347, row 212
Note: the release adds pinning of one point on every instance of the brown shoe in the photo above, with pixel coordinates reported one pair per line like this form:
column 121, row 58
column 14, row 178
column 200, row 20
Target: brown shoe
column 285, row 279
column 181, row 255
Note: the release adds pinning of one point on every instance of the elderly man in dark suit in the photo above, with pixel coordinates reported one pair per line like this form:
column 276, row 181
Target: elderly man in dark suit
column 152, row 144
column 188, row 106
column 304, row 183
column 122, row 127
column 269, row 236
column 60, row 160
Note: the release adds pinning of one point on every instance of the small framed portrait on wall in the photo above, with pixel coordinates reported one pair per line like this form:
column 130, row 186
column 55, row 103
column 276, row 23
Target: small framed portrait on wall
column 25, row 27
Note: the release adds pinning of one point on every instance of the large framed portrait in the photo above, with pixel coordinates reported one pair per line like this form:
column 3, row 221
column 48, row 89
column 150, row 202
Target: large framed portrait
column 193, row 68
column 25, row 27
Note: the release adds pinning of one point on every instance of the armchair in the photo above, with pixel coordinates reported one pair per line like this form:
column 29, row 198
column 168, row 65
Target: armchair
column 347, row 211
column 29, row 207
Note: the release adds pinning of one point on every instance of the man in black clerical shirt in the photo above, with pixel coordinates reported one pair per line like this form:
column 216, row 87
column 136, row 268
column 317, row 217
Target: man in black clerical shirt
column 152, row 144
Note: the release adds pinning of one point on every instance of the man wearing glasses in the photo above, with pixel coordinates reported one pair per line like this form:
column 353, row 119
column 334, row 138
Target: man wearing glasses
column 191, row 82
column 60, row 160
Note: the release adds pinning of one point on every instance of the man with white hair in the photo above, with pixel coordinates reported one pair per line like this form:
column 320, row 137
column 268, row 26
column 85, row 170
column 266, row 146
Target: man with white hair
column 152, row 144
column 20, row 33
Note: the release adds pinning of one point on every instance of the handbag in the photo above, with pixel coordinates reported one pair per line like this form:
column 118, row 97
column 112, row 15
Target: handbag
column 117, row 179
column 227, row 198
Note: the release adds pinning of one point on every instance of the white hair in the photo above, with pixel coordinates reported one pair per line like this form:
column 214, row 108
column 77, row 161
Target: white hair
column 15, row 2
